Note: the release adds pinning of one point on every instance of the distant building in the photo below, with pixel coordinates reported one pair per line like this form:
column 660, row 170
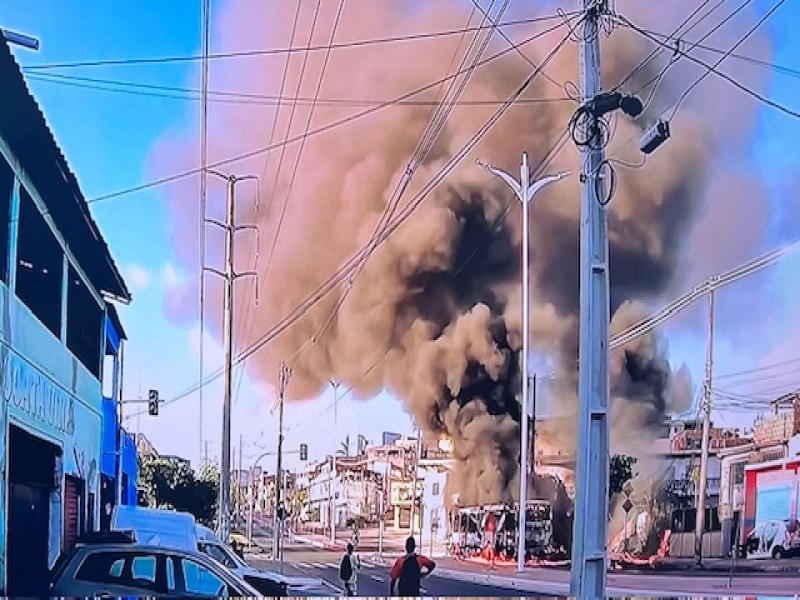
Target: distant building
column 57, row 279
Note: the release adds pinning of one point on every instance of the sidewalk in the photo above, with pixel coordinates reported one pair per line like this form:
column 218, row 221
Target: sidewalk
column 723, row 565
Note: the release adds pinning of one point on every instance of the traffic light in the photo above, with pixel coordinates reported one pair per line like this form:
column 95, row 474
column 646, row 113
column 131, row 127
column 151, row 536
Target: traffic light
column 303, row 451
column 152, row 403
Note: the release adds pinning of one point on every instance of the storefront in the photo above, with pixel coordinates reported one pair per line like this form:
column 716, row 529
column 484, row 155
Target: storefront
column 55, row 276
column 772, row 490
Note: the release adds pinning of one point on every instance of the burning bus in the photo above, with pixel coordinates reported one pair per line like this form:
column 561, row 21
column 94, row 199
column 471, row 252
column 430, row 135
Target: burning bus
column 474, row 528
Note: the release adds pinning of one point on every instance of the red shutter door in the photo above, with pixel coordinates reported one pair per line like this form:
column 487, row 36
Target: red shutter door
column 71, row 512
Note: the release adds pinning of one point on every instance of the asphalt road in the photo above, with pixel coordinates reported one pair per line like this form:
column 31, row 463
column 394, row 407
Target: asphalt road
column 373, row 579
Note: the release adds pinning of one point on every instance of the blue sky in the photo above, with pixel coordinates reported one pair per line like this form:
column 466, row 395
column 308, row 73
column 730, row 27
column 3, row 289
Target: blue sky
column 108, row 138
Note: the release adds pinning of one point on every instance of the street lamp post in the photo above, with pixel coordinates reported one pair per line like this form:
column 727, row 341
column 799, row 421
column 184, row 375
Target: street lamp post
column 331, row 491
column 525, row 190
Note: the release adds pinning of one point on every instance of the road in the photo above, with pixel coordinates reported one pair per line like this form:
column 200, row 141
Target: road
column 374, row 577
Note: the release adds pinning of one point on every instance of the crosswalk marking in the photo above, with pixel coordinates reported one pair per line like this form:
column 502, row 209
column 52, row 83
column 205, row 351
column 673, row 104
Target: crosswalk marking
column 332, row 565
column 318, row 566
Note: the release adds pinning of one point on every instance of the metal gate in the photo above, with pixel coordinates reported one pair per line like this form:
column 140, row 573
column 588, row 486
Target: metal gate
column 73, row 515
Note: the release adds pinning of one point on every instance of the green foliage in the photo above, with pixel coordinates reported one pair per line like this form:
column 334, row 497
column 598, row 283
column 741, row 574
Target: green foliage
column 621, row 470
column 170, row 483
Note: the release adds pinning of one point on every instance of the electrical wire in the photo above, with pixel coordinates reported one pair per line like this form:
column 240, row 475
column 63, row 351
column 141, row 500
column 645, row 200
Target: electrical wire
column 656, row 51
column 243, row 98
column 737, row 374
column 301, row 309
column 280, row 51
column 714, row 68
column 517, row 48
column 317, row 131
column 421, row 150
column 265, row 169
column 716, row 282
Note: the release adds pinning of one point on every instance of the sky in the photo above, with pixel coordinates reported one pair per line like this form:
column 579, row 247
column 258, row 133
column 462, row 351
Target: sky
column 108, row 139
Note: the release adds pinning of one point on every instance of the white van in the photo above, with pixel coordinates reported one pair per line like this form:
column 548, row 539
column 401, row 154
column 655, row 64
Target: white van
column 152, row 527
column 171, row 529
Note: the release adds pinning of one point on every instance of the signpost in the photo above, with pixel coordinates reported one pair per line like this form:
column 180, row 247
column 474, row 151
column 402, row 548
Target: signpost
column 627, row 506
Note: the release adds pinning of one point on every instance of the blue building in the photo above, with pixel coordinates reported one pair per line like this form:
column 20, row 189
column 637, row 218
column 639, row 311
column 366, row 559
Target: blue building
column 57, row 278
column 119, row 466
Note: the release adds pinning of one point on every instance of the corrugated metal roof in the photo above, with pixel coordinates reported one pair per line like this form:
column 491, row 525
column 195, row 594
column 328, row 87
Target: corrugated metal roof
column 25, row 129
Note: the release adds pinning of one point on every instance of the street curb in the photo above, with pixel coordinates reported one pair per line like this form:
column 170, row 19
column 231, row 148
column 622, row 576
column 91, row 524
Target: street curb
column 308, row 541
column 536, row 587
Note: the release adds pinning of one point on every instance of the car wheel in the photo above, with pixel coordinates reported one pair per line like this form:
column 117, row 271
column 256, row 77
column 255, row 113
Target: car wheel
column 777, row 552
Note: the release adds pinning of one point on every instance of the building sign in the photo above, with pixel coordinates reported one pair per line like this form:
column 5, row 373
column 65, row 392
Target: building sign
column 29, row 392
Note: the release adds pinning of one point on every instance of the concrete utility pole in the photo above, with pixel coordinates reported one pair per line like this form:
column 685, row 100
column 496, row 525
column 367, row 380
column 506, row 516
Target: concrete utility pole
column 331, row 487
column 525, row 190
column 588, row 569
column 225, row 471
column 277, row 523
column 229, row 276
column 205, row 18
column 701, row 497
column 414, row 489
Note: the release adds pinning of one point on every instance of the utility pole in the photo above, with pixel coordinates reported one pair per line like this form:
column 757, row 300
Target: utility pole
column 205, row 18
column 701, row 498
column 229, row 276
column 588, row 568
column 239, row 477
column 525, row 190
column 414, row 489
column 277, row 522
column 331, row 491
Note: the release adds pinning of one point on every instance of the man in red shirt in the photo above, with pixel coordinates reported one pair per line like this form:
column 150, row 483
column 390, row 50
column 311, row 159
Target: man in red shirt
column 408, row 570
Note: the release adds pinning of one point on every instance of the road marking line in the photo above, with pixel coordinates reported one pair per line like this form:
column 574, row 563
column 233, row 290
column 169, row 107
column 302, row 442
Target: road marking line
column 331, row 565
column 318, row 566
column 375, row 578
column 423, row 590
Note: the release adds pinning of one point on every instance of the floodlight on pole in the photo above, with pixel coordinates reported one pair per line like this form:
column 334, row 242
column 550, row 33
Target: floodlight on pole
column 525, row 190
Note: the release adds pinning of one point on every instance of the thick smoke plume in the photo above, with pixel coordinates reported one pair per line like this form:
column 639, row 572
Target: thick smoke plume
column 434, row 314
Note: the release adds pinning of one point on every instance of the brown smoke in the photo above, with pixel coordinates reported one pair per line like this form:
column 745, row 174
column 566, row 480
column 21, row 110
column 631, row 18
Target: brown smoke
column 434, row 315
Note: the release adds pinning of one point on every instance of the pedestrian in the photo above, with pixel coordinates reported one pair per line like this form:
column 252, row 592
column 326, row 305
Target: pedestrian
column 348, row 571
column 407, row 571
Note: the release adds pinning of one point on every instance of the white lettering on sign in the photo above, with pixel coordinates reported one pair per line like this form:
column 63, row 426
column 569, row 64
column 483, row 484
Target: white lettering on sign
column 30, row 392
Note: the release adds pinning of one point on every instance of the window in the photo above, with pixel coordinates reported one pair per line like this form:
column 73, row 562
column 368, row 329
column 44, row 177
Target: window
column 200, row 581
column 84, row 323
column 6, row 190
column 435, row 489
column 144, row 568
column 39, row 266
column 121, row 568
column 219, row 555
column 738, row 473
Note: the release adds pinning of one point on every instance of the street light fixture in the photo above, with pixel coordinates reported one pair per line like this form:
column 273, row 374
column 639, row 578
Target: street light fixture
column 525, row 190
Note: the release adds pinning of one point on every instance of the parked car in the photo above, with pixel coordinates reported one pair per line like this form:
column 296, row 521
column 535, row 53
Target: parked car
column 268, row 583
column 773, row 539
column 113, row 570
column 171, row 529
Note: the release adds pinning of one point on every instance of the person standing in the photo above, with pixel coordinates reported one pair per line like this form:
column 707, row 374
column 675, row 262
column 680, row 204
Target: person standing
column 348, row 571
column 407, row 571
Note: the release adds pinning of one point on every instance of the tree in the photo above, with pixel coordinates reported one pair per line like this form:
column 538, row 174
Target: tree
column 621, row 470
column 170, row 483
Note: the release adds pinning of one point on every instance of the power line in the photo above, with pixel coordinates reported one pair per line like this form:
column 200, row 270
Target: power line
column 436, row 121
column 285, row 203
column 280, row 51
column 718, row 281
column 243, row 98
column 737, row 374
column 314, row 132
column 714, row 68
column 301, row 309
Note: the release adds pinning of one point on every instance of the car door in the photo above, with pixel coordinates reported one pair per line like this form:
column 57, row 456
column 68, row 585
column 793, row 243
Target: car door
column 195, row 580
column 117, row 573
